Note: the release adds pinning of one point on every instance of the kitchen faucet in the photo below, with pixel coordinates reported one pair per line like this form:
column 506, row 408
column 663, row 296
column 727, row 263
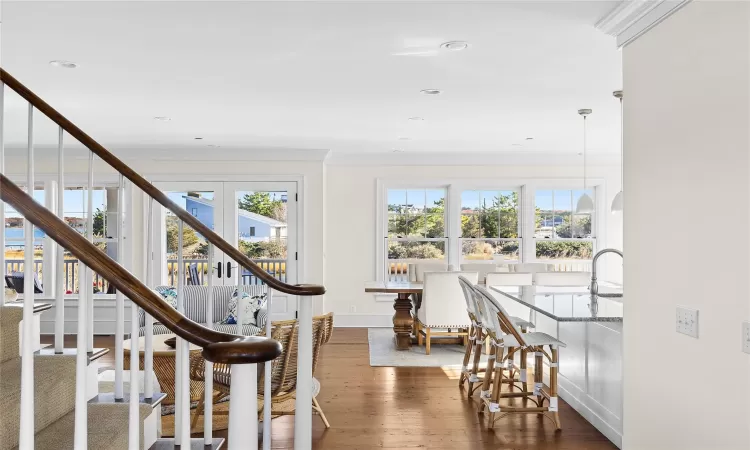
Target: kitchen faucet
column 594, row 288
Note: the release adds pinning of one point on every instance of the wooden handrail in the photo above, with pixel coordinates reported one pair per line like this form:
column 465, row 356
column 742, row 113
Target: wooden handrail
column 217, row 346
column 156, row 194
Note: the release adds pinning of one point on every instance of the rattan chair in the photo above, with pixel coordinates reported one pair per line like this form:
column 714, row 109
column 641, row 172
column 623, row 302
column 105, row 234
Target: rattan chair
column 283, row 369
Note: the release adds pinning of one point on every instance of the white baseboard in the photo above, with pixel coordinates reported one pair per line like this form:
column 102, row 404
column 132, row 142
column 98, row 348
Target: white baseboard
column 356, row 320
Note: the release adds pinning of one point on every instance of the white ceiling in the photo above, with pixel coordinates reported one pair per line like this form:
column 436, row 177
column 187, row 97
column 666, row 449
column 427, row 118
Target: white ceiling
column 340, row 76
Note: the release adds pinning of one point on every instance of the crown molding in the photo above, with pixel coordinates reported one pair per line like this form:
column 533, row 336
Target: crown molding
column 470, row 159
column 630, row 19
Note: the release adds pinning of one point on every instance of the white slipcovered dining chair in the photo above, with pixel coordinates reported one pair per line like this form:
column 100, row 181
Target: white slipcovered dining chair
column 481, row 268
column 562, row 279
column 510, row 279
column 443, row 307
column 419, row 269
column 531, row 267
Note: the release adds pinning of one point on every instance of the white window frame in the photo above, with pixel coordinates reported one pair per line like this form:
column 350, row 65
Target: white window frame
column 48, row 182
column 518, row 189
column 383, row 186
column 526, row 187
column 598, row 217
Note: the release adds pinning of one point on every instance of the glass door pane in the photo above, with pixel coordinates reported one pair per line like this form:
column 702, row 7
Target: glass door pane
column 261, row 223
column 203, row 200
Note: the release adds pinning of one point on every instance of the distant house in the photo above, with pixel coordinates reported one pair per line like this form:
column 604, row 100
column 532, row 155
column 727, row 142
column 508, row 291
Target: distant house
column 252, row 227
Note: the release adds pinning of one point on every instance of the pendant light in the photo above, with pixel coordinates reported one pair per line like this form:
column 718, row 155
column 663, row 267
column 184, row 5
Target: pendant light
column 585, row 204
column 617, row 202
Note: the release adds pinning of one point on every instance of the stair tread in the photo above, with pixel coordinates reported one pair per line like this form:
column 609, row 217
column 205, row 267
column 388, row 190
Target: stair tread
column 109, row 397
column 93, row 356
column 38, row 306
column 195, row 444
column 107, row 428
column 54, row 393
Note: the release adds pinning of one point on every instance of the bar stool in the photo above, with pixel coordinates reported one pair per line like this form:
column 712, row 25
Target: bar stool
column 477, row 335
column 504, row 335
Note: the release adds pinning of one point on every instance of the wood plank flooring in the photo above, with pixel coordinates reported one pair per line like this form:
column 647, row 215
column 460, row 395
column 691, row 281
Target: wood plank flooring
column 406, row 408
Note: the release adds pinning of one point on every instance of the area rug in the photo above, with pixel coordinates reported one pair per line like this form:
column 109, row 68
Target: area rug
column 383, row 352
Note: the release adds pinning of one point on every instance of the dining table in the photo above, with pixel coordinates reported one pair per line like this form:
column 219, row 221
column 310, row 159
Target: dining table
column 407, row 296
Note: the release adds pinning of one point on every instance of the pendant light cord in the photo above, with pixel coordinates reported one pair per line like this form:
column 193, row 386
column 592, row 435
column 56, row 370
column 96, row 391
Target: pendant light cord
column 584, row 154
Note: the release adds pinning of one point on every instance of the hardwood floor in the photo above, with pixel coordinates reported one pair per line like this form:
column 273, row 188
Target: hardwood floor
column 403, row 408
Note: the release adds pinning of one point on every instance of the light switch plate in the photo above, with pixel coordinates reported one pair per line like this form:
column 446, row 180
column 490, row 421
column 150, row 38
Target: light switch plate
column 687, row 321
column 746, row 337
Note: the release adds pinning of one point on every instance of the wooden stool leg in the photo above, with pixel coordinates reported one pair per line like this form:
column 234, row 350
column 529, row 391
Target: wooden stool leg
column 553, row 369
column 198, row 411
column 524, row 373
column 487, row 376
column 477, row 357
column 465, row 365
column 538, row 377
column 497, row 385
column 316, row 407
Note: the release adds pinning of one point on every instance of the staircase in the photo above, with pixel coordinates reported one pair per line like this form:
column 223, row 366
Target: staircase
column 46, row 399
column 54, row 396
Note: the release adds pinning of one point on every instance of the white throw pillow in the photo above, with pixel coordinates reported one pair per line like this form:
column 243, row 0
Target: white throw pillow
column 250, row 306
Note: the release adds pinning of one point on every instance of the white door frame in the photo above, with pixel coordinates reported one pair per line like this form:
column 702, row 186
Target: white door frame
column 259, row 178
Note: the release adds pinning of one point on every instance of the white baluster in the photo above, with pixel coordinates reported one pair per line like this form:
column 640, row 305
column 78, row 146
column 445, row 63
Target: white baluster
column 148, row 357
column 3, row 267
column 182, row 382
column 90, row 237
column 123, row 233
column 243, row 407
column 26, row 437
column 82, row 361
column 303, row 403
column 134, row 424
column 120, row 298
column 267, row 381
column 60, row 260
column 209, row 366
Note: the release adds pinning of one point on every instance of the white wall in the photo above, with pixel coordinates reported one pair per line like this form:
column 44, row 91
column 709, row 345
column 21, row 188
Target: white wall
column 351, row 224
column 687, row 110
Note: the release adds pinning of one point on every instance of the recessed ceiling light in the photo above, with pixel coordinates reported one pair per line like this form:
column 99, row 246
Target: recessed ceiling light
column 64, row 64
column 198, row 139
column 397, row 150
column 431, row 91
column 454, row 46
column 214, row 145
column 404, row 139
column 516, row 145
column 417, row 119
column 162, row 118
column 530, row 139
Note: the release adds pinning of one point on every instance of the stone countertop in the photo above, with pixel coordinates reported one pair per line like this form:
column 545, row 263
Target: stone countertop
column 567, row 304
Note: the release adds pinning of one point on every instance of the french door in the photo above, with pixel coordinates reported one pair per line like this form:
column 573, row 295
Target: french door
column 258, row 218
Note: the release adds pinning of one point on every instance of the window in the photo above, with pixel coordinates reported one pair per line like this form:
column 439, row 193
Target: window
column 560, row 233
column 105, row 200
column 194, row 212
column 252, row 231
column 416, row 225
column 489, row 225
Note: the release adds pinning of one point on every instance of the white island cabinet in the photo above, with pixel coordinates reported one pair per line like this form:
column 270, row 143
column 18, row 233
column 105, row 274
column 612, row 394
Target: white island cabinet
column 590, row 377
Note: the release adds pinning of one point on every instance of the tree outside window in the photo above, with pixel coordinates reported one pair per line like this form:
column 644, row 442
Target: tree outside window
column 489, row 225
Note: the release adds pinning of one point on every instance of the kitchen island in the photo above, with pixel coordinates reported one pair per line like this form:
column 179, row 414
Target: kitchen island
column 590, row 376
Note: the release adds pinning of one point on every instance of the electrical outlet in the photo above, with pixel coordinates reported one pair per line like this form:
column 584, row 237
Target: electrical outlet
column 352, row 309
column 687, row 321
column 746, row 337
